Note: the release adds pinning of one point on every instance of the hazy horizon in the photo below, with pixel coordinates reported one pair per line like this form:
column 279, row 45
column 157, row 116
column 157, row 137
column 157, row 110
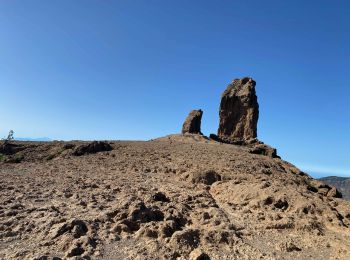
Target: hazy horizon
column 133, row 70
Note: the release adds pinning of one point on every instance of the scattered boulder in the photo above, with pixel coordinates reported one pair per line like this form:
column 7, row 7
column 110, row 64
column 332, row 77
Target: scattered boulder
column 239, row 111
column 185, row 241
column 8, row 148
column 149, row 230
column 198, row 254
column 160, row 196
column 75, row 227
column 81, row 248
column 228, row 140
column 264, row 149
column 75, row 250
column 341, row 183
column 288, row 247
column 333, row 192
column 205, row 177
column 43, row 257
column 68, row 146
column 324, row 189
column 192, row 124
column 281, row 204
column 93, row 147
column 142, row 214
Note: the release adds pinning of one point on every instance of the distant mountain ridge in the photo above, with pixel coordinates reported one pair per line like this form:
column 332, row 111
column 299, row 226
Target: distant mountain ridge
column 341, row 183
column 39, row 139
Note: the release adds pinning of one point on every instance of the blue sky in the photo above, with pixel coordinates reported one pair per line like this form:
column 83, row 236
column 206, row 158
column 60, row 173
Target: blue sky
column 134, row 69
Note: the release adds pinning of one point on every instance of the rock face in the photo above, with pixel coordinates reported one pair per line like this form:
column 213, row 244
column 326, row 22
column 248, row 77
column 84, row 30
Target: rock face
column 192, row 124
column 341, row 183
column 93, row 147
column 324, row 189
column 264, row 149
column 239, row 111
column 10, row 148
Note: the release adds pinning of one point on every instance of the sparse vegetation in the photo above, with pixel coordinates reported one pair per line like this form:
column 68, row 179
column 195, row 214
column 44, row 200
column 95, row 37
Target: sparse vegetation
column 18, row 158
column 4, row 143
column 9, row 137
column 50, row 157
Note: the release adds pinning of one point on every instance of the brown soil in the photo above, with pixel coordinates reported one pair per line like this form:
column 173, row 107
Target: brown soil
column 177, row 197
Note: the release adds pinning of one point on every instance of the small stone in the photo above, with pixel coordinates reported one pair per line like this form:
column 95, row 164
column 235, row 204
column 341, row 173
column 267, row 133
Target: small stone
column 43, row 257
column 159, row 196
column 186, row 239
column 206, row 215
column 75, row 250
column 198, row 254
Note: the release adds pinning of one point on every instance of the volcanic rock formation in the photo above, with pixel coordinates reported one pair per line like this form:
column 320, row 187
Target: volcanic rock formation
column 93, row 147
column 181, row 196
column 192, row 124
column 341, row 183
column 239, row 111
column 176, row 197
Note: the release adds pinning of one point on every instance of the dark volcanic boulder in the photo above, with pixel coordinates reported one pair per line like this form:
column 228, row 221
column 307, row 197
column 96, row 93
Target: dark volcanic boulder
column 93, row 147
column 239, row 111
column 264, row 149
column 10, row 148
column 206, row 177
column 192, row 124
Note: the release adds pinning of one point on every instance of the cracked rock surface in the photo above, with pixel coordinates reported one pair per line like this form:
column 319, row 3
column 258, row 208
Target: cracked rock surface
column 192, row 124
column 239, row 111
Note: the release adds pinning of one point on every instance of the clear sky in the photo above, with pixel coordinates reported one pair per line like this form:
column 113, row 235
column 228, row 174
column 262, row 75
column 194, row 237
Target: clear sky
column 134, row 69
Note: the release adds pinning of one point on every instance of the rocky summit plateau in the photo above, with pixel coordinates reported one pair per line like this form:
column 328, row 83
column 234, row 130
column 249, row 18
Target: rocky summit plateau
column 182, row 196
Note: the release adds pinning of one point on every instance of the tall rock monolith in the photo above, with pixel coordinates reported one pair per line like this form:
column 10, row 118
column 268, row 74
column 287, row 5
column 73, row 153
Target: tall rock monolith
column 192, row 124
column 239, row 111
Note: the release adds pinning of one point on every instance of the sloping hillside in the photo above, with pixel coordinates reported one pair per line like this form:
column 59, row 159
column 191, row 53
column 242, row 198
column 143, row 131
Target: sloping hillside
column 178, row 197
